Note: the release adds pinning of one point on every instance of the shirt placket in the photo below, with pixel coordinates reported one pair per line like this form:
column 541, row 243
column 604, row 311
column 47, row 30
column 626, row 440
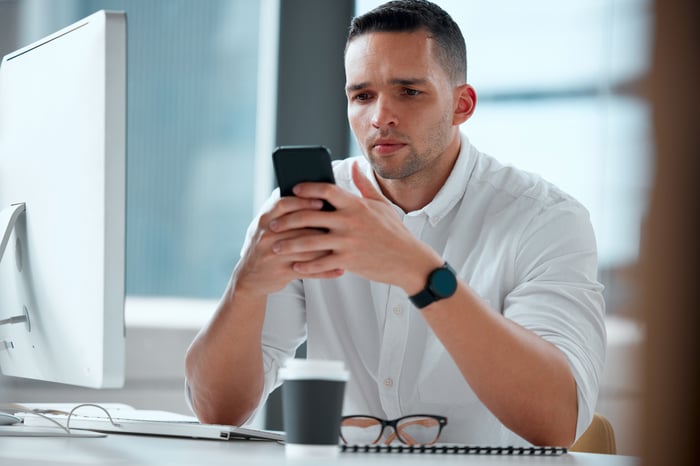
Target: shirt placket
column 395, row 337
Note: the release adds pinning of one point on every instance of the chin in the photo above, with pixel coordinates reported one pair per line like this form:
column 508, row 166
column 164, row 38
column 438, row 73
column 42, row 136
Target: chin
column 393, row 173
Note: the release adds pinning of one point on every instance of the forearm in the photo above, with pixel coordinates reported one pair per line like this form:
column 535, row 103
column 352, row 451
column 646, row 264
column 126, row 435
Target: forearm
column 224, row 363
column 524, row 380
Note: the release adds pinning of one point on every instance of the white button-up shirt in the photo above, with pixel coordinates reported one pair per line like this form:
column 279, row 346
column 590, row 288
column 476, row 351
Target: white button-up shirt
column 525, row 247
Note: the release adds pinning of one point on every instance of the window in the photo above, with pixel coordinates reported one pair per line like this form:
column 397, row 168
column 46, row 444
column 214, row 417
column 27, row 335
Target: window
column 192, row 82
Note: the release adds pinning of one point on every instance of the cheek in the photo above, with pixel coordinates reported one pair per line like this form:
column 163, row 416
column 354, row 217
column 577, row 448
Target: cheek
column 356, row 118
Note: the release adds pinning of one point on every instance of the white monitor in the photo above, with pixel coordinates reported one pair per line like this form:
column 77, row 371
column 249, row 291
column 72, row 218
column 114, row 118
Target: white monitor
column 62, row 205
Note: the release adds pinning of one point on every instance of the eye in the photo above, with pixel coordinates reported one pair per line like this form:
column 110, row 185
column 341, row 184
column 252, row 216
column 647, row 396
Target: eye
column 411, row 92
column 361, row 97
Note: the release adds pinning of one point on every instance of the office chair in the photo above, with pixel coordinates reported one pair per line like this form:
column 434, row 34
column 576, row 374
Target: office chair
column 598, row 438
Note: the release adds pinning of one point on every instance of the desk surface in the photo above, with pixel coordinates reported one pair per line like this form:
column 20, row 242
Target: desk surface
column 130, row 450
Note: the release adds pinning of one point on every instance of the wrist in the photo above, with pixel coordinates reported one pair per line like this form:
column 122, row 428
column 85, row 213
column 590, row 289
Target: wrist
column 244, row 285
column 415, row 281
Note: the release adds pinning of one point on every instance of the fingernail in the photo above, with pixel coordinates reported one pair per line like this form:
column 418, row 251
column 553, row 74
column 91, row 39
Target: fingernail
column 273, row 225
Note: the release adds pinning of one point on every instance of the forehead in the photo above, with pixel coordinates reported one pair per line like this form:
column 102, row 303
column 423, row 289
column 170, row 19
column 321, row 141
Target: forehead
column 378, row 55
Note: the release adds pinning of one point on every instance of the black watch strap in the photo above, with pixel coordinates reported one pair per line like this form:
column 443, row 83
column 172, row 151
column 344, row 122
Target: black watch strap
column 422, row 298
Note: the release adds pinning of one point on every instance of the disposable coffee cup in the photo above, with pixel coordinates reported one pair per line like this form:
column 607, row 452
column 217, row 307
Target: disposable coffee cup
column 312, row 406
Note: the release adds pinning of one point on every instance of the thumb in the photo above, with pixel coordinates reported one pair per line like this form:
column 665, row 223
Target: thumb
column 365, row 186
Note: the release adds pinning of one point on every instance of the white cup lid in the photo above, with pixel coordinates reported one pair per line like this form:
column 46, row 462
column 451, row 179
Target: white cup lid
column 299, row 369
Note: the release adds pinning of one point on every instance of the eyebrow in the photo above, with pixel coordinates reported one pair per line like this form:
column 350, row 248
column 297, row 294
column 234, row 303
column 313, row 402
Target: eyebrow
column 395, row 81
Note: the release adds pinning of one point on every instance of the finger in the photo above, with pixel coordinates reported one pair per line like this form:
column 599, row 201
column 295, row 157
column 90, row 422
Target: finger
column 332, row 193
column 303, row 256
column 326, row 264
column 317, row 190
column 285, row 206
column 313, row 221
column 363, row 183
column 306, row 241
column 337, row 197
column 270, row 271
column 289, row 204
column 334, row 273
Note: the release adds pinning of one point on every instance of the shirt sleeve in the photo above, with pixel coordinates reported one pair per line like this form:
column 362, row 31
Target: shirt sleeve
column 557, row 295
column 283, row 332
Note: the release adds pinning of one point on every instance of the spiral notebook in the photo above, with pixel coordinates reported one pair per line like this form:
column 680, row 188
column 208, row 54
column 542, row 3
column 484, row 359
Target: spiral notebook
column 455, row 450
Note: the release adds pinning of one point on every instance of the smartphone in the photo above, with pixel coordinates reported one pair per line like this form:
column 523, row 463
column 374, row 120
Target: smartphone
column 297, row 164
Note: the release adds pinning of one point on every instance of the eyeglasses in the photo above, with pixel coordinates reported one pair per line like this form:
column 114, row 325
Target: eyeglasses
column 416, row 429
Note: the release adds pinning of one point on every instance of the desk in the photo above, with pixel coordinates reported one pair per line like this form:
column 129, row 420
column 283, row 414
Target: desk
column 141, row 450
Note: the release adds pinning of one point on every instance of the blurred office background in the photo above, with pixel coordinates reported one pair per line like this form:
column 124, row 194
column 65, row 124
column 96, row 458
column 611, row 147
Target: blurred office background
column 214, row 86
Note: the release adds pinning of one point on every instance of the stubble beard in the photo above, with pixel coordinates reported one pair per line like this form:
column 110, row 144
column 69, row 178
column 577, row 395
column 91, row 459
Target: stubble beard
column 413, row 162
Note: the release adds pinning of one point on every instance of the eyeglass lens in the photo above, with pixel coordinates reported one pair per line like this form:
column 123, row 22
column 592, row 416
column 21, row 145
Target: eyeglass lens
column 411, row 430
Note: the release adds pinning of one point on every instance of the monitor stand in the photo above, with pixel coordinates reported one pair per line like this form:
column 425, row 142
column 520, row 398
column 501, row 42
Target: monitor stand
column 8, row 218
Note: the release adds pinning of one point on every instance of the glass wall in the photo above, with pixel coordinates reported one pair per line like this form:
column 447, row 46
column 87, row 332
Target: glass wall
column 558, row 87
column 192, row 80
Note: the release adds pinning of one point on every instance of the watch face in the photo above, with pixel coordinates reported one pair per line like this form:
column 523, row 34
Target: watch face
column 443, row 283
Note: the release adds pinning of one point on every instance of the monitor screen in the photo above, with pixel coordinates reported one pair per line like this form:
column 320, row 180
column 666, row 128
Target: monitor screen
column 62, row 205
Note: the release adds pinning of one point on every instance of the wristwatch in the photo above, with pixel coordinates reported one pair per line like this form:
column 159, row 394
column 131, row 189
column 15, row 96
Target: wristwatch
column 442, row 283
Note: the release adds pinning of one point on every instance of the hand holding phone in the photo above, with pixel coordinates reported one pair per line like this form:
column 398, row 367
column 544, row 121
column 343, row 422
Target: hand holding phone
column 298, row 164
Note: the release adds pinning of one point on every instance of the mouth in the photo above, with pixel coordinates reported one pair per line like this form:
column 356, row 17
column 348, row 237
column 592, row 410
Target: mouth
column 386, row 146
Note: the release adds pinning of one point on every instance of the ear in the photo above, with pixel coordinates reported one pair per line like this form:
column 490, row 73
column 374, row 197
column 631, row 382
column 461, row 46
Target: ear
column 465, row 103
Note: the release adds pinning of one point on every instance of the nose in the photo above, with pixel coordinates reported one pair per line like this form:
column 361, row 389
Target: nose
column 384, row 114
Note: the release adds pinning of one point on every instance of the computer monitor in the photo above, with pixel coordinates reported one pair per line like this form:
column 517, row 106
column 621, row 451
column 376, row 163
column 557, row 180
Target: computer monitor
column 62, row 205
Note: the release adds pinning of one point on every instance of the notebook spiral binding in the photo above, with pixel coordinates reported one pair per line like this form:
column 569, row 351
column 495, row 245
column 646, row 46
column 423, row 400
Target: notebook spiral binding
column 455, row 450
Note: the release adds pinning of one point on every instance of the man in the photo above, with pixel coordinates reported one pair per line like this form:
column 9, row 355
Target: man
column 507, row 340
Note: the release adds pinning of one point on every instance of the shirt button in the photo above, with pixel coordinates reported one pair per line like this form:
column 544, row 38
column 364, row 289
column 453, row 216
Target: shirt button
column 397, row 310
column 388, row 382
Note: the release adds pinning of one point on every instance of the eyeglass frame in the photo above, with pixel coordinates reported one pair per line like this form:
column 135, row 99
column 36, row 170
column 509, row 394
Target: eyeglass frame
column 393, row 423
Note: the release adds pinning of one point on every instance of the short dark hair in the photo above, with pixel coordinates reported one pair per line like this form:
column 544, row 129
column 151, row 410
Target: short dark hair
column 413, row 15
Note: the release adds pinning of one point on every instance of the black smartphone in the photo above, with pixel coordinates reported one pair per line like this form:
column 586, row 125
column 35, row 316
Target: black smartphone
column 297, row 164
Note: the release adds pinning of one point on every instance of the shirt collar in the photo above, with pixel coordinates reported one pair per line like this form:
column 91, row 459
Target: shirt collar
column 455, row 186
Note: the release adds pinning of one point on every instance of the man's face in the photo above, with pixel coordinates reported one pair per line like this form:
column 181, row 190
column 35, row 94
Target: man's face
column 400, row 102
